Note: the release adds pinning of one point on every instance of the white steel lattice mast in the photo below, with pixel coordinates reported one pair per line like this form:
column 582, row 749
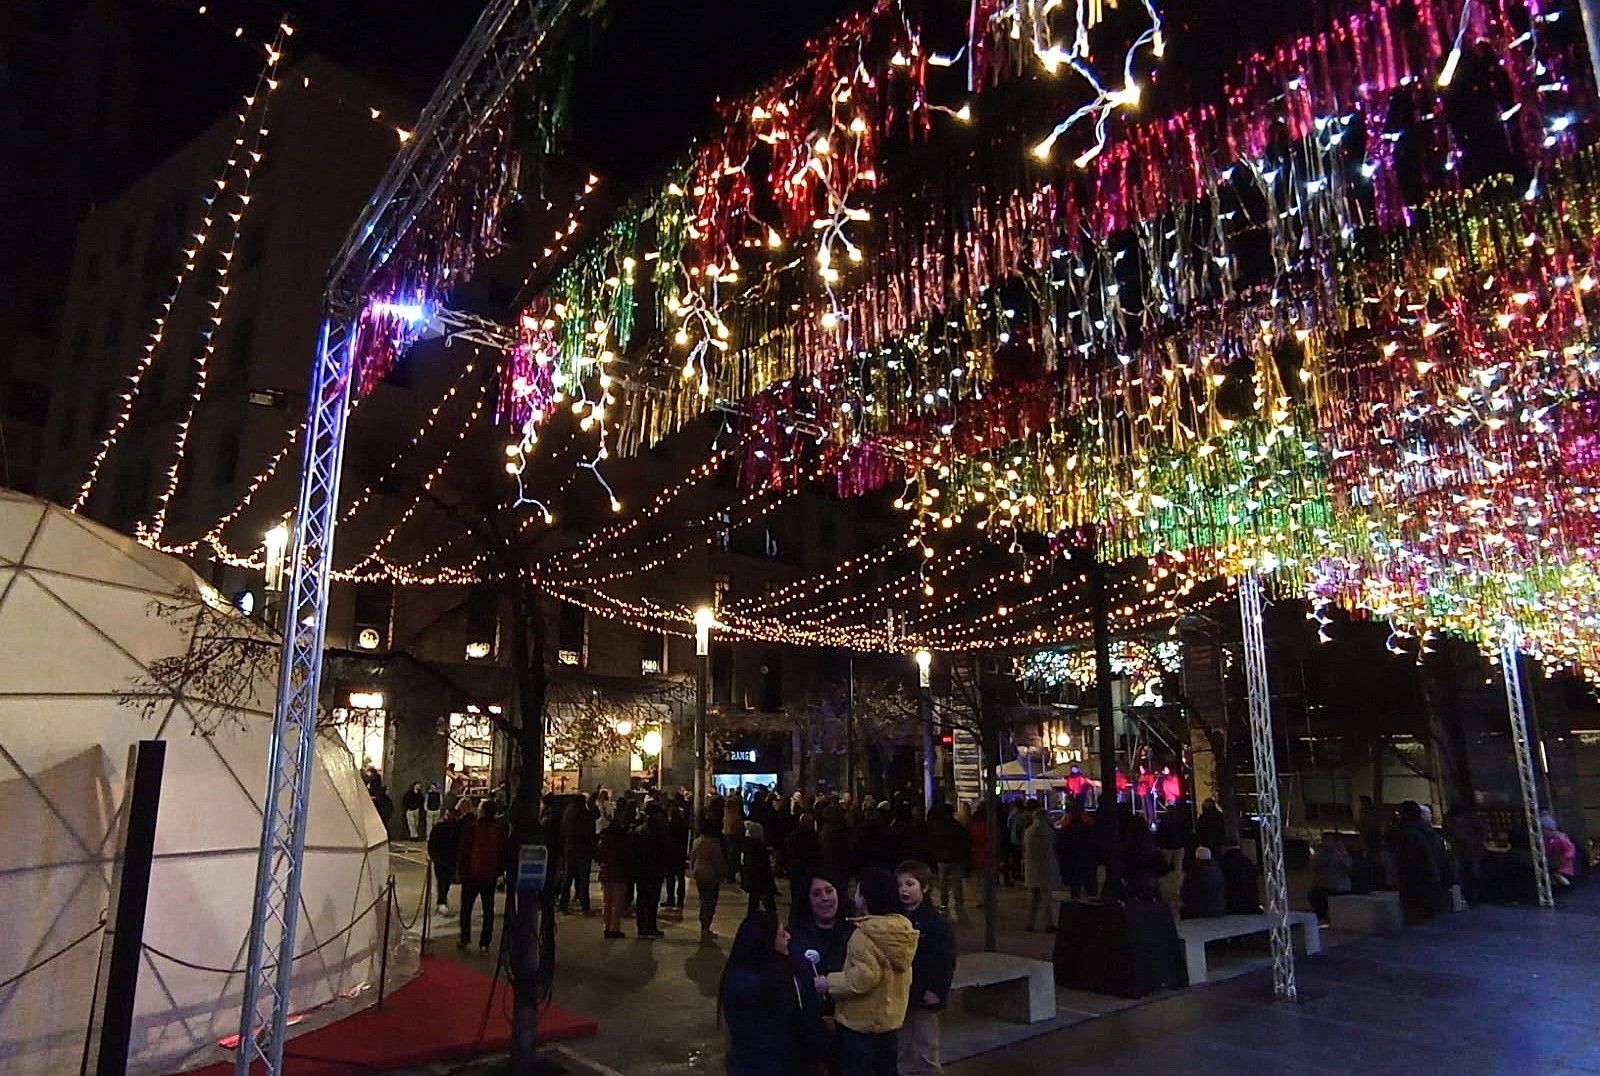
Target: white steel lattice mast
column 1267, row 806
column 504, row 44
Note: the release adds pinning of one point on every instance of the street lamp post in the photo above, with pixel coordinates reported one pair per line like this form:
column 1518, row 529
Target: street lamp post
column 704, row 620
column 275, row 547
column 925, row 704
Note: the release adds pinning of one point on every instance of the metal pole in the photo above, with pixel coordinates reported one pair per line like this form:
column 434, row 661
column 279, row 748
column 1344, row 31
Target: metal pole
column 924, row 661
column 1266, row 760
column 1591, row 31
column 1523, row 749
column 850, row 731
column 1108, row 817
column 112, row 1032
column 291, row 755
column 383, row 956
column 702, row 675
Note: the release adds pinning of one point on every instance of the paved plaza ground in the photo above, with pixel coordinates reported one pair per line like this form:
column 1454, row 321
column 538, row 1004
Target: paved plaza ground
column 1490, row 992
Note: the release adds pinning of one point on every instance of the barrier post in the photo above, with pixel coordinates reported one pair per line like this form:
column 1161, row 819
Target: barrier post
column 383, row 955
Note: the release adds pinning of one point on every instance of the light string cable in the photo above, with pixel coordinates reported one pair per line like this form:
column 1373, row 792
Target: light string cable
column 375, row 554
column 248, row 159
column 191, row 255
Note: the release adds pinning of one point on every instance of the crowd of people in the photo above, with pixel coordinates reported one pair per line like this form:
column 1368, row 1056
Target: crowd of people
column 853, row 979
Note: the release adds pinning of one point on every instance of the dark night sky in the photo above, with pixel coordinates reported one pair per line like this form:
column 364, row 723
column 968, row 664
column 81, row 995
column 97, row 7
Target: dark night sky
column 645, row 82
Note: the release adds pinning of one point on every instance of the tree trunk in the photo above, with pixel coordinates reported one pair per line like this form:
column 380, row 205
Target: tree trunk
column 989, row 724
column 530, row 918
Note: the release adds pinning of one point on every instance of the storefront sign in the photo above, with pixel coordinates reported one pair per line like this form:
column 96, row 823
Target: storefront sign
column 533, row 863
column 967, row 758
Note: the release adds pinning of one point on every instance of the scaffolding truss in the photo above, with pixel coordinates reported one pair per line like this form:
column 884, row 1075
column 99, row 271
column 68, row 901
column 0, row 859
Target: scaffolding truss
column 1267, row 805
column 505, row 43
column 1522, row 747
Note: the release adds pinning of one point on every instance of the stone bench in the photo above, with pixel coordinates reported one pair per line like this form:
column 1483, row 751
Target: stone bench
column 1010, row 987
column 1365, row 913
column 1197, row 933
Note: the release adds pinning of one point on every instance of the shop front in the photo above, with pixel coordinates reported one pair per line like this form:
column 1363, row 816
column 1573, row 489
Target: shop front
column 751, row 764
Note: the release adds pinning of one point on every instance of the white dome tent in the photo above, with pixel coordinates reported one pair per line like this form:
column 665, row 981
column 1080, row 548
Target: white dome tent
column 78, row 631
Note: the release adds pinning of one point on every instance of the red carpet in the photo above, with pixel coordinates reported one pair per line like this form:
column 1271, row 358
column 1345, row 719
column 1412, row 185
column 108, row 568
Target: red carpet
column 433, row 1017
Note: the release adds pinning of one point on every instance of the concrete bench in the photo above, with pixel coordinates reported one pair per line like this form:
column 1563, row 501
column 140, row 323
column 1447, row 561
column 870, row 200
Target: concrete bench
column 1196, row 933
column 1010, row 987
column 1365, row 913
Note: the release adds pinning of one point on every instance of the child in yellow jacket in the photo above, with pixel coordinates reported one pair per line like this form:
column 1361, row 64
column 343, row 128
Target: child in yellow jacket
column 871, row 991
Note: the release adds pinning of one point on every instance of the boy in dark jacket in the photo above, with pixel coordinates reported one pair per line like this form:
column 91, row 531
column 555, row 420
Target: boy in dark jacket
column 931, row 970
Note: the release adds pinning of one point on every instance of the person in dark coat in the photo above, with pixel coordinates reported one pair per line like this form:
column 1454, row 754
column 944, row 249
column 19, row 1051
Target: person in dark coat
column 932, row 969
column 1423, row 868
column 834, row 838
column 577, row 852
column 412, row 804
column 760, row 998
column 952, row 856
column 677, row 856
column 1203, row 894
column 382, row 803
column 803, row 855
column 614, row 853
column 819, row 934
column 1211, row 829
column 650, row 864
column 1079, row 853
column 872, row 845
column 1143, row 863
column 444, row 850
column 756, row 875
column 1239, row 881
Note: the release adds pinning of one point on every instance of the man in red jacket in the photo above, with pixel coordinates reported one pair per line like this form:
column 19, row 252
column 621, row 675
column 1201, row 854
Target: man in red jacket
column 482, row 860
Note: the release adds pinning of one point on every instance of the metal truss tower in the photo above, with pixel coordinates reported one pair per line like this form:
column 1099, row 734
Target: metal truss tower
column 1522, row 747
column 507, row 41
column 1267, row 806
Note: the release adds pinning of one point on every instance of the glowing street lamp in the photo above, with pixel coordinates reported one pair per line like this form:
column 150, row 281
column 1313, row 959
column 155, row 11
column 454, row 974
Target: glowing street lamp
column 651, row 745
column 705, row 618
column 704, row 621
column 276, row 543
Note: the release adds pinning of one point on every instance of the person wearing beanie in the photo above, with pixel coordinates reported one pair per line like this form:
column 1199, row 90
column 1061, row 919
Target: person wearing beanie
column 1204, row 894
column 873, row 988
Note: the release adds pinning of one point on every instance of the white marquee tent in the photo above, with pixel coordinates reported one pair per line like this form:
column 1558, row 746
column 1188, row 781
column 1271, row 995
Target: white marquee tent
column 77, row 630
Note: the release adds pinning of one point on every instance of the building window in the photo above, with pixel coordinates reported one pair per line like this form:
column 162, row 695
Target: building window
column 470, row 752
column 28, row 401
column 113, row 328
column 374, row 611
column 721, row 673
column 571, row 635
column 250, row 245
column 483, row 624
column 228, row 459
column 241, row 347
column 652, row 654
column 771, row 682
column 363, row 730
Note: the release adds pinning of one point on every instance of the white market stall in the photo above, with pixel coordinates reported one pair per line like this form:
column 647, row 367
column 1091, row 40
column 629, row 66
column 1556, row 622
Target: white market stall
column 78, row 629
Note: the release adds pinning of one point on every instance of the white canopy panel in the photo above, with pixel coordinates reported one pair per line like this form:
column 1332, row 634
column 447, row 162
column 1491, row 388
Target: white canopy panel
column 78, row 629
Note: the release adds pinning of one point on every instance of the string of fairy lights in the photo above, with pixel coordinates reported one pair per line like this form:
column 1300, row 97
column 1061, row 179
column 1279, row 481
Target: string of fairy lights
column 1394, row 412
column 247, row 158
column 252, row 111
